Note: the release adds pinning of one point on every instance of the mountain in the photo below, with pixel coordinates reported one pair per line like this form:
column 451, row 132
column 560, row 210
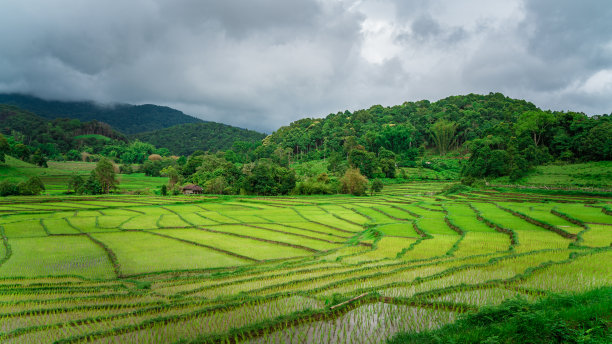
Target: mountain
column 184, row 139
column 57, row 136
column 127, row 118
column 402, row 126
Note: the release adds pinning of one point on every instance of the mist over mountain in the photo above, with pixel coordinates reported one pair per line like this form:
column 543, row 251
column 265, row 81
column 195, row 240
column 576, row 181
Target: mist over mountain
column 184, row 139
column 127, row 118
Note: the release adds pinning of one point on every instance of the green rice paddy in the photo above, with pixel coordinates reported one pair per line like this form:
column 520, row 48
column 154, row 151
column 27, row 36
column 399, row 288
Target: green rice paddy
column 341, row 269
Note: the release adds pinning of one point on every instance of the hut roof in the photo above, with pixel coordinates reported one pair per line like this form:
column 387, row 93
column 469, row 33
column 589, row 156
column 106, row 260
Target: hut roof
column 192, row 187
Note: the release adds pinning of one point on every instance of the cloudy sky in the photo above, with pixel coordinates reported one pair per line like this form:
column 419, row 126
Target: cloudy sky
column 261, row 64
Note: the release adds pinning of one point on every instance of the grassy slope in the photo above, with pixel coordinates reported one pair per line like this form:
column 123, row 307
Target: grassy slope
column 56, row 176
column 591, row 174
column 316, row 167
column 574, row 318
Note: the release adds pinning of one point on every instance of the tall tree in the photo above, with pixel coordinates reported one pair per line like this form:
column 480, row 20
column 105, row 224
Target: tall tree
column 443, row 135
column 353, row 182
column 4, row 147
column 104, row 174
column 535, row 123
column 365, row 161
column 172, row 174
column 386, row 160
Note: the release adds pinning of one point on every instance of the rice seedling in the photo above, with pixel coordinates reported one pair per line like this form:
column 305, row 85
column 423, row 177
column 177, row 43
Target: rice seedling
column 117, row 269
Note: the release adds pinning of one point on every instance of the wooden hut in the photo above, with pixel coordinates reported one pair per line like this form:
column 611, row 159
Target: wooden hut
column 191, row 189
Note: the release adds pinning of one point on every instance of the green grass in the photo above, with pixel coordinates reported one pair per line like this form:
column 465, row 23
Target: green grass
column 267, row 269
column 482, row 243
column 542, row 212
column 598, row 236
column 72, row 166
column 143, row 252
column 24, row 229
column 276, row 236
column 465, row 218
column 310, row 168
column 401, row 229
column 592, row 174
column 15, row 170
column 583, row 213
column 138, row 181
column 243, row 246
column 47, row 256
column 59, row 226
column 574, row 318
column 56, row 176
column 421, row 173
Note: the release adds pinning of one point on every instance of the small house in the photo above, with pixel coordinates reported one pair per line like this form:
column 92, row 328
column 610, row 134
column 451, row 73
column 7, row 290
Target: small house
column 191, row 189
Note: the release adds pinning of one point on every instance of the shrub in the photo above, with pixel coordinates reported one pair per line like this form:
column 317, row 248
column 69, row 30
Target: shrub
column 32, row 186
column 377, row 186
column 8, row 189
column 75, row 183
column 126, row 169
column 353, row 182
column 313, row 187
column 577, row 318
column 90, row 187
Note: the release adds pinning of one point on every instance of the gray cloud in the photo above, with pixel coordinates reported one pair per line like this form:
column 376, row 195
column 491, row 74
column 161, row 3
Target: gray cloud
column 264, row 63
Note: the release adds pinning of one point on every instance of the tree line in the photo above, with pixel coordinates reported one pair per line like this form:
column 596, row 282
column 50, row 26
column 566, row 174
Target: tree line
column 486, row 135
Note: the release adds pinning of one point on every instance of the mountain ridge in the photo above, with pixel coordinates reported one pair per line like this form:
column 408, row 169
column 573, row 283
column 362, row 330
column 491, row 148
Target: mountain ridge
column 126, row 118
column 184, row 139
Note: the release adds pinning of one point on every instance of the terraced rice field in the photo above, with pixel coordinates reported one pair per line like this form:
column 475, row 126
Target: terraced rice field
column 203, row 269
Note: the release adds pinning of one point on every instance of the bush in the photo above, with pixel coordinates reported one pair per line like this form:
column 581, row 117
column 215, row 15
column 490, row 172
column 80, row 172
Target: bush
column 90, row 187
column 353, row 182
column 377, row 186
column 267, row 178
column 126, row 169
column 458, row 187
column 313, row 187
column 8, row 189
column 75, row 183
column 577, row 318
column 73, row 155
column 32, row 186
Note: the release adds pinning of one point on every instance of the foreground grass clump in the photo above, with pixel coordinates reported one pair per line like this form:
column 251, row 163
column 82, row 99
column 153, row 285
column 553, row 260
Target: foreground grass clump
column 569, row 318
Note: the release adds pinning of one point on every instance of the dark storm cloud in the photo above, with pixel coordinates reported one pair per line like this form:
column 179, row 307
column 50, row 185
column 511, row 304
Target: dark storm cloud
column 263, row 63
column 562, row 29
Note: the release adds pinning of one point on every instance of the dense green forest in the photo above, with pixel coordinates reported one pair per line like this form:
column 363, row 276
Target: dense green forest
column 475, row 136
column 501, row 136
column 472, row 137
column 184, row 139
column 71, row 139
column 59, row 139
column 126, row 118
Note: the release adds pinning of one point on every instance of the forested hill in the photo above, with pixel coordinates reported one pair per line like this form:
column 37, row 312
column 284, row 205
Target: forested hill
column 445, row 124
column 406, row 125
column 129, row 119
column 184, row 139
column 501, row 135
column 29, row 133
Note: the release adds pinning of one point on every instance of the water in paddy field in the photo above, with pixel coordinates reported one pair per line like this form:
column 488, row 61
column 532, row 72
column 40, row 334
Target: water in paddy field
column 371, row 323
